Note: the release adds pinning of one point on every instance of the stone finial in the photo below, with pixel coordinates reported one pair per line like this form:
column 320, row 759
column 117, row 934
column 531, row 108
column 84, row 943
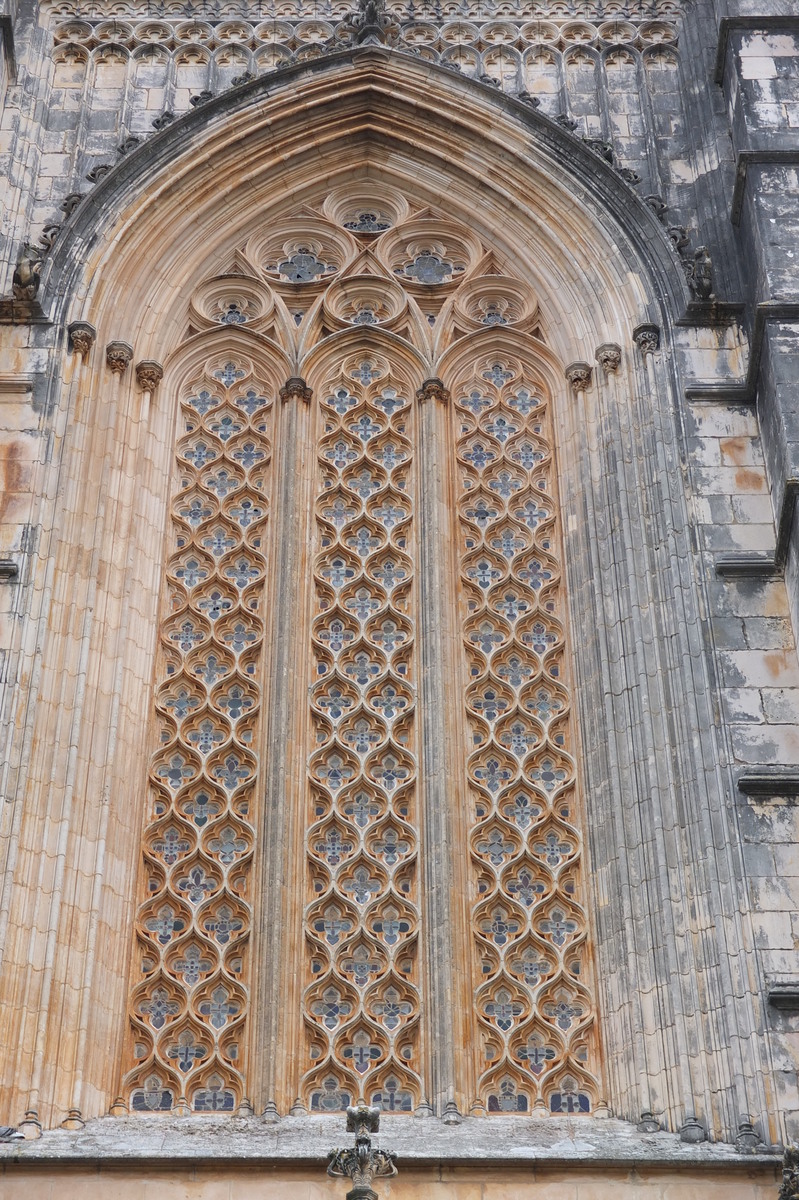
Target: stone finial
column 608, row 355
column 579, row 376
column 118, row 356
column 648, row 1123
column 433, row 389
column 747, row 1139
column 148, row 375
column 82, row 337
column 692, row 1130
column 647, row 339
column 789, row 1188
column 296, row 387
column 363, row 1163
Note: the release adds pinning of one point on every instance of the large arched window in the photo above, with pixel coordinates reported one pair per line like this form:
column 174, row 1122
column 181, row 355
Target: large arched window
column 363, row 690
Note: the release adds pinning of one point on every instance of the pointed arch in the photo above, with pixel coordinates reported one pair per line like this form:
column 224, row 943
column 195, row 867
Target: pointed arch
column 173, row 213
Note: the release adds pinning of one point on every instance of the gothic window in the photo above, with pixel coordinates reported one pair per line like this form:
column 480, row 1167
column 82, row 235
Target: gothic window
column 365, row 294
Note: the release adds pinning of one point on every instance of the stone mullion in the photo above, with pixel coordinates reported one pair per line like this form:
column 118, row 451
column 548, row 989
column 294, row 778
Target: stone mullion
column 448, row 964
column 278, row 934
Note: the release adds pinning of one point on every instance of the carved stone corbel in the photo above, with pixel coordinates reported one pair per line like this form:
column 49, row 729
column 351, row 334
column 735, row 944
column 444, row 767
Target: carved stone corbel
column 82, row 337
column 608, row 355
column 362, row 1163
column 579, row 376
column 647, row 339
column 148, row 375
column 296, row 387
column 118, row 356
column 433, row 389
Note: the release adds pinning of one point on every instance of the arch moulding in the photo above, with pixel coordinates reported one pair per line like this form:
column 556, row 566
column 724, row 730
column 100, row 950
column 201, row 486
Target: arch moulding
column 181, row 210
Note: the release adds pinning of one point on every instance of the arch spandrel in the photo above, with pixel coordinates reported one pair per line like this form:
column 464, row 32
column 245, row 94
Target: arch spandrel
column 183, row 207
column 531, row 178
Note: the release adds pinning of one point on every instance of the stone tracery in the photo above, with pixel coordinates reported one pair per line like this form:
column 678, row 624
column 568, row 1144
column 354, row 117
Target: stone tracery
column 327, row 290
column 191, row 969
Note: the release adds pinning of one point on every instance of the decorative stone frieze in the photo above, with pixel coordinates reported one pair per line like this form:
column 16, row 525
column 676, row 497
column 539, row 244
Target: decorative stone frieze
column 534, row 1005
column 191, row 965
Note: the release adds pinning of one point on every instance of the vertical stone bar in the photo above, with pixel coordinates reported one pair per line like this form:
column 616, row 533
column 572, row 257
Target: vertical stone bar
column 436, row 607
column 276, row 1000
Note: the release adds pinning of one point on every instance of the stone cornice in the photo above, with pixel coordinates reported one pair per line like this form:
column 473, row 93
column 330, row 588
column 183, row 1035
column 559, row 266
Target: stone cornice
column 513, row 1142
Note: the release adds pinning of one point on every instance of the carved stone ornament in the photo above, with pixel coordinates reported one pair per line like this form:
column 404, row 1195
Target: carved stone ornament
column 201, row 98
column 657, row 204
column 679, row 236
column 433, row 389
column 370, row 23
column 118, row 356
column 71, row 202
column 629, row 176
column 25, row 283
column 600, row 147
column 647, row 339
column 579, row 376
column 296, row 387
column 693, row 1131
column 789, row 1188
column 164, row 120
column 699, row 273
column 82, row 337
column 608, row 355
column 98, row 172
column 148, row 375
column 362, row 1164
